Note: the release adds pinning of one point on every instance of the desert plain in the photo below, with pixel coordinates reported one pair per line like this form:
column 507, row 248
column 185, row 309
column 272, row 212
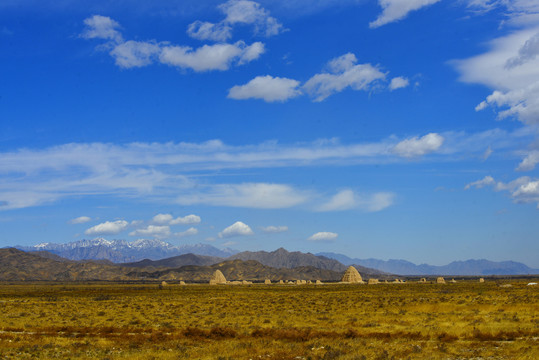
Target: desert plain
column 497, row 319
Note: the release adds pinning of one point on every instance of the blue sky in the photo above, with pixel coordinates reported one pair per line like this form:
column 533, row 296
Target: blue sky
column 384, row 129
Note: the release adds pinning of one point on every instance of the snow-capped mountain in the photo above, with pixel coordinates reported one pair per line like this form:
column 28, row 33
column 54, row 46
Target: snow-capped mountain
column 120, row 251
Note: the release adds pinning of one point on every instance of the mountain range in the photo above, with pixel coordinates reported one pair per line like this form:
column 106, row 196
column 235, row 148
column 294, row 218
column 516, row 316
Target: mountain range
column 158, row 254
column 121, row 251
column 17, row 265
column 468, row 267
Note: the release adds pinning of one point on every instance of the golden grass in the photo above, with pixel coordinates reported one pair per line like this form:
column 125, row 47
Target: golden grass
column 384, row 321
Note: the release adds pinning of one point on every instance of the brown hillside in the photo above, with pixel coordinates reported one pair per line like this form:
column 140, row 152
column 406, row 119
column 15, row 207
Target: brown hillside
column 17, row 265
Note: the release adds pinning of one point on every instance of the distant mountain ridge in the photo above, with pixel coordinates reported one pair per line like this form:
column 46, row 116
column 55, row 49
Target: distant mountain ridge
column 467, row 267
column 122, row 251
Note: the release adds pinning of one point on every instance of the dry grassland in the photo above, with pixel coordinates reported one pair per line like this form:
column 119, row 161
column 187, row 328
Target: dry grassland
column 386, row 321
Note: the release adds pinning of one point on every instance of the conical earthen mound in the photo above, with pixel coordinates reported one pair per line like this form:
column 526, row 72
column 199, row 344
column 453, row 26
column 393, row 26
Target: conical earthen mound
column 351, row 275
column 217, row 278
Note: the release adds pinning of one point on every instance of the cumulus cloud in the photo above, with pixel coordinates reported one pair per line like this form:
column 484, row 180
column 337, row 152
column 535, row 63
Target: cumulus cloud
column 398, row 82
column 522, row 103
column 267, row 88
column 236, row 229
column 203, row 30
column 530, row 161
column 132, row 54
column 323, row 236
column 211, row 57
column 250, row 195
column 80, row 220
column 418, row 146
column 527, row 192
column 236, row 12
column 393, row 10
column 157, row 231
column 108, row 228
column 344, row 72
column 274, row 229
column 168, row 219
column 189, row 232
column 162, row 219
column 186, row 220
column 524, row 190
column 101, row 27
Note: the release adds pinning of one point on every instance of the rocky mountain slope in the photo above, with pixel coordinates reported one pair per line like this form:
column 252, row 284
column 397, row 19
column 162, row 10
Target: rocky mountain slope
column 177, row 261
column 17, row 265
column 282, row 258
column 241, row 270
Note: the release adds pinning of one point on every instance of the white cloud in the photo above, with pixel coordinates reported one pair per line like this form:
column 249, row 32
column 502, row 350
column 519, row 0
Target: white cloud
column 487, row 153
column 251, row 52
column 236, row 12
column 522, row 190
column 108, row 228
column 511, row 69
column 348, row 199
column 274, row 229
column 162, row 219
column 80, row 220
column 343, row 73
column 210, row 57
column 267, row 88
column 394, row 10
column 323, row 236
column 154, row 171
column 189, row 232
column 518, row 12
column 398, row 82
column 486, row 181
column 186, row 220
column 203, row 30
column 236, row 229
column 168, row 219
column 526, row 53
column 419, row 146
column 135, row 53
column 101, row 27
column 158, row 231
column 250, row 195
column 527, row 192
column 344, row 200
column 529, row 162
column 378, row 201
column 130, row 54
